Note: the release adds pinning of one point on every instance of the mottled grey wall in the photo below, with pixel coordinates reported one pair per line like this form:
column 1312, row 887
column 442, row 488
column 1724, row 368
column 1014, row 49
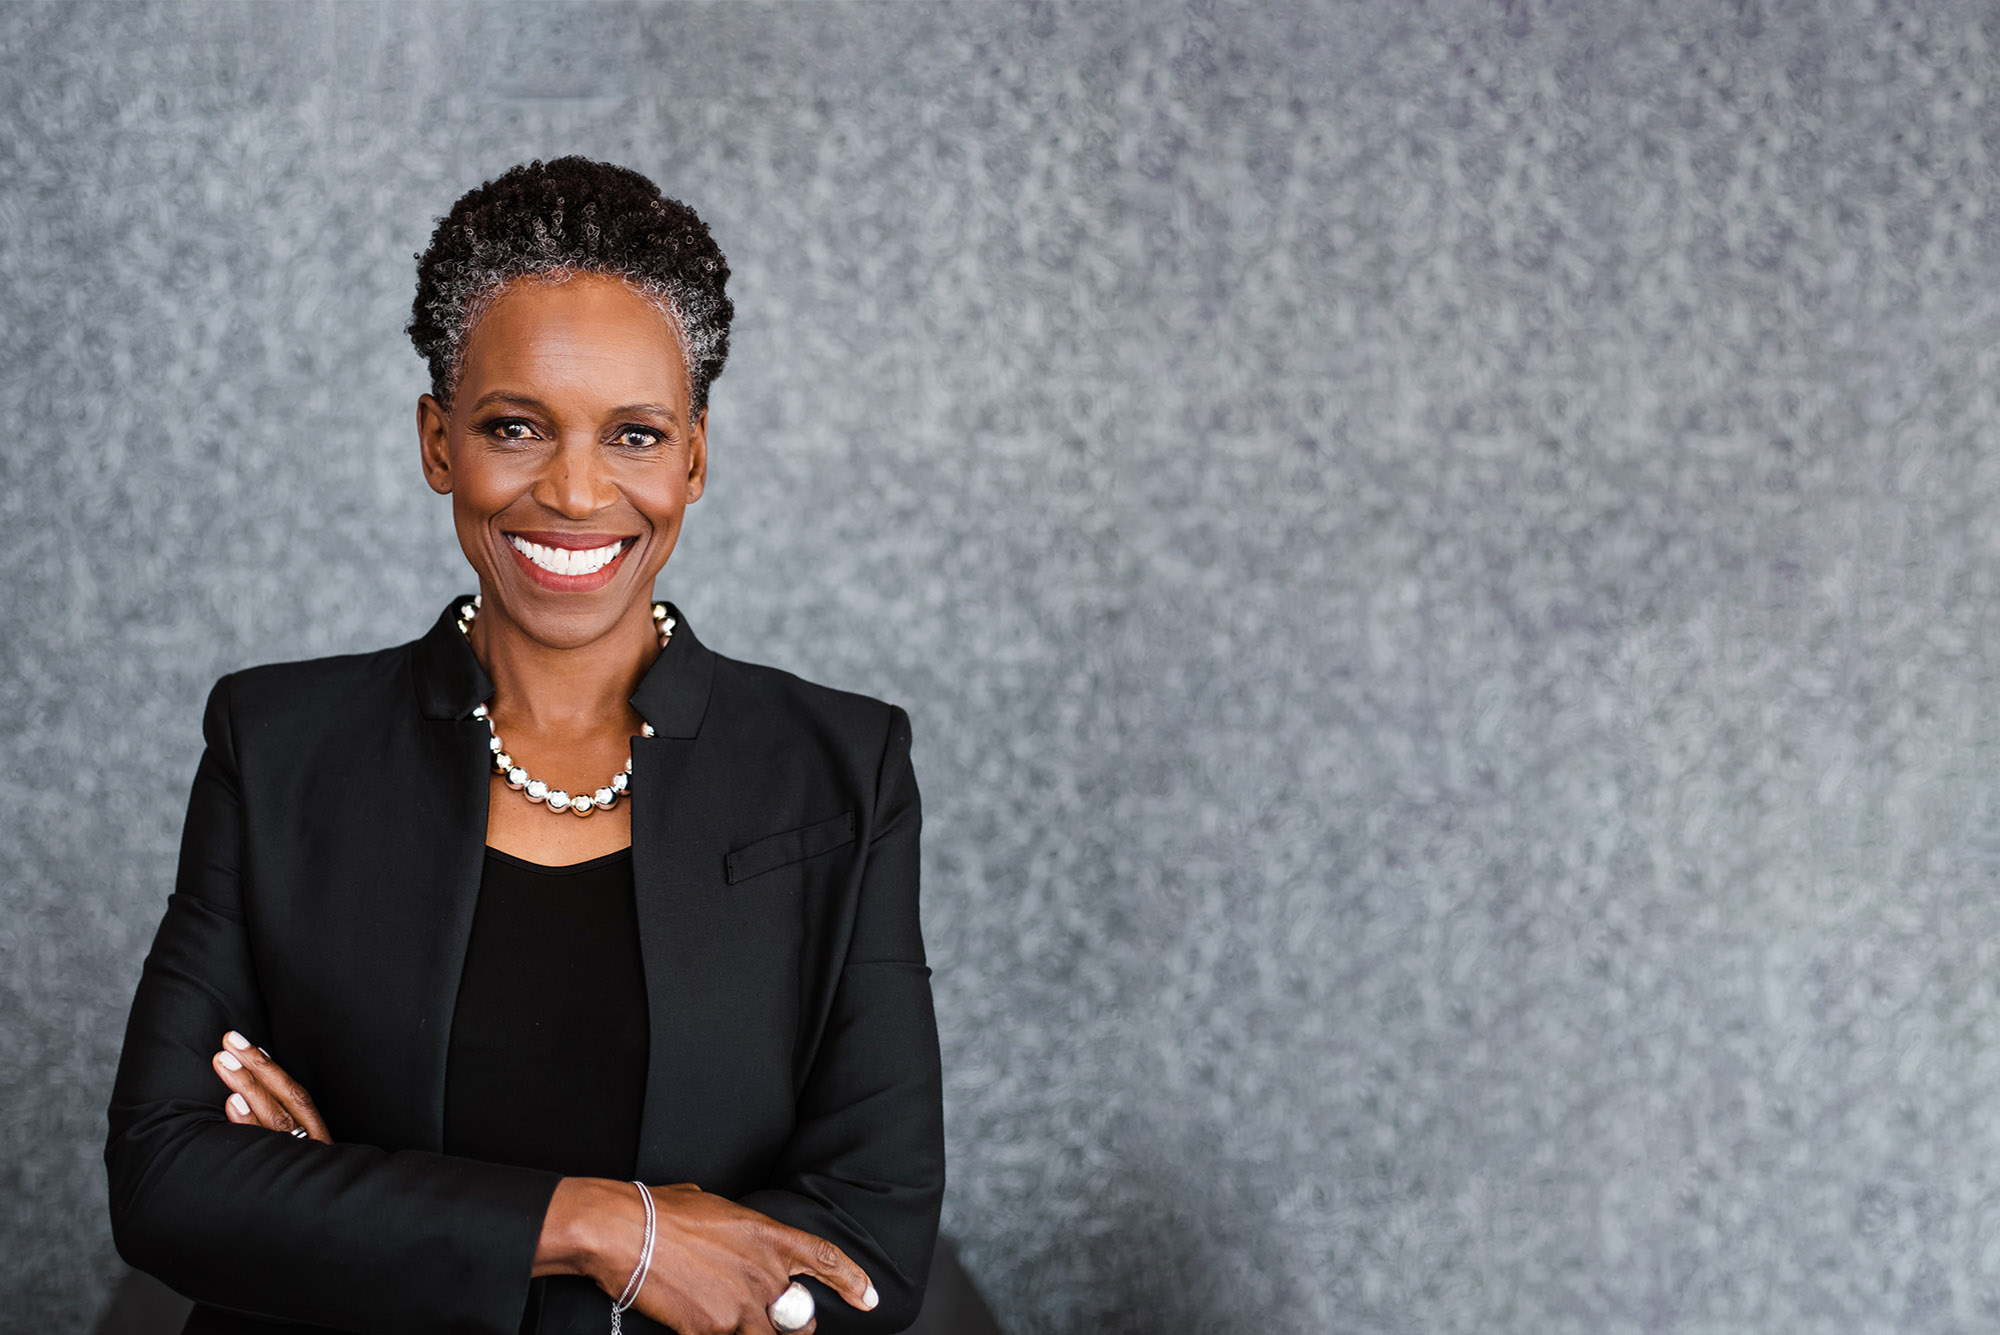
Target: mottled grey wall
column 1443, row 559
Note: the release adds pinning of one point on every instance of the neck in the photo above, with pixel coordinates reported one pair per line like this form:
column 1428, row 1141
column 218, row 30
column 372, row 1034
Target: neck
column 565, row 690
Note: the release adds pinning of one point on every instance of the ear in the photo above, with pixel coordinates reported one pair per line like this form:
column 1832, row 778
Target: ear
column 697, row 456
column 434, row 444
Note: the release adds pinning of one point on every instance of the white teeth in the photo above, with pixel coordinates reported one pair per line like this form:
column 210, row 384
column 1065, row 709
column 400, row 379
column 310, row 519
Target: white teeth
column 563, row 560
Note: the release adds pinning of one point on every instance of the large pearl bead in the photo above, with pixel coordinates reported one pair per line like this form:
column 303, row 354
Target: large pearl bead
column 792, row 1309
column 558, row 800
column 604, row 797
column 581, row 805
column 517, row 778
column 622, row 780
column 536, row 790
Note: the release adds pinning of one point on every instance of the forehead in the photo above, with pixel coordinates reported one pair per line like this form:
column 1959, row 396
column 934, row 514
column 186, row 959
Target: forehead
column 587, row 338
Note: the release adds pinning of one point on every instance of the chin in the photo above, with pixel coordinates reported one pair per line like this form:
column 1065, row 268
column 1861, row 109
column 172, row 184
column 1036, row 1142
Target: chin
column 566, row 627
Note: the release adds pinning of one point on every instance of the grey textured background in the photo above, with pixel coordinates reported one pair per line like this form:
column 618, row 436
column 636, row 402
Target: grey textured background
column 1442, row 557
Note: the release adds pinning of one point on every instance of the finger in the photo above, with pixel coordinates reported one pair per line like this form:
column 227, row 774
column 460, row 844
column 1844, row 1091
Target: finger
column 266, row 1110
column 815, row 1256
column 282, row 1087
column 236, row 1108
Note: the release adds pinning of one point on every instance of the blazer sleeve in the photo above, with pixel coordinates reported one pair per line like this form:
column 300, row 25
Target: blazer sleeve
column 864, row 1167
column 342, row 1235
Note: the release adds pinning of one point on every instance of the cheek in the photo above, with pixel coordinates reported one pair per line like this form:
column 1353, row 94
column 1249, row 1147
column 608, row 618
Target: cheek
column 659, row 494
column 470, row 509
column 485, row 483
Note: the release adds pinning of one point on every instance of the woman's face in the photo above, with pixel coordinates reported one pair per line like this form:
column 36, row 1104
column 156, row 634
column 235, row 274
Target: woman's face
column 569, row 454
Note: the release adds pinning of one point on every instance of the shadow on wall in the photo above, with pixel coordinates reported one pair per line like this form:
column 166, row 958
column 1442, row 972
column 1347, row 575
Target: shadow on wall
column 141, row 1305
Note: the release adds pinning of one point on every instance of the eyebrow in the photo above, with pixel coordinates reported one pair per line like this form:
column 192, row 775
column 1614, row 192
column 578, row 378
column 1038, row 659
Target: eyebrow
column 500, row 396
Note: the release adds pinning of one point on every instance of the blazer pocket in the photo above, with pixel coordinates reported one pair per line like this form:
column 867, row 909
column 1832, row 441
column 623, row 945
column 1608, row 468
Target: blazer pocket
column 788, row 846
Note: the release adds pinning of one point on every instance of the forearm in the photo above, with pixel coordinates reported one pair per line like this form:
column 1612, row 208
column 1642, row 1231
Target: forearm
column 340, row 1235
column 865, row 1166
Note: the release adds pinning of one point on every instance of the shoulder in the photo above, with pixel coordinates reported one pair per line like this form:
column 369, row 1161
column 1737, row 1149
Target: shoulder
column 740, row 684
column 775, row 732
column 314, row 694
column 746, row 692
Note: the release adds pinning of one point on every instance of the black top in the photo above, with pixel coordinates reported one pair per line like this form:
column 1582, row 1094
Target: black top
column 547, row 1066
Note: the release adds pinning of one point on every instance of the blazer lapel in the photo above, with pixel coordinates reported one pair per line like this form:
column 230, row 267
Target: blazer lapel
column 451, row 851
column 685, row 922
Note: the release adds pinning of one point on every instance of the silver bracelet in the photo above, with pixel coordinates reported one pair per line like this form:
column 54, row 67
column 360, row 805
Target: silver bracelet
column 638, row 1280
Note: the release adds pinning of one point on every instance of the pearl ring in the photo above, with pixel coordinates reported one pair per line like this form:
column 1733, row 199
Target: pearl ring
column 794, row 1308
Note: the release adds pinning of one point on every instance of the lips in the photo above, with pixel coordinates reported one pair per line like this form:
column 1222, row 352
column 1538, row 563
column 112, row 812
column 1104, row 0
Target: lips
column 570, row 562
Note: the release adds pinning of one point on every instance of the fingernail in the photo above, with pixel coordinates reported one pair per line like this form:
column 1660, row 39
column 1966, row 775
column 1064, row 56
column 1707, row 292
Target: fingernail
column 229, row 1061
column 241, row 1104
column 869, row 1299
column 235, row 1040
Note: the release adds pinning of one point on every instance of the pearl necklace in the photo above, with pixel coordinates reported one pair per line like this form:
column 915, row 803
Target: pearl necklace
column 555, row 799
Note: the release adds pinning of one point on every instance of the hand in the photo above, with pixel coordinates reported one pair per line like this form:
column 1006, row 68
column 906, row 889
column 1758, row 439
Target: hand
column 263, row 1094
column 717, row 1266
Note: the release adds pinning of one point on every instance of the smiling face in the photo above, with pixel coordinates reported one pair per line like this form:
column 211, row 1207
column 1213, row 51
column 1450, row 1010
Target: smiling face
column 569, row 455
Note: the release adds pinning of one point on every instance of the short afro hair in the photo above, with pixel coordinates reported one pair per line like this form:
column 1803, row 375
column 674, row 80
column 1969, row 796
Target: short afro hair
column 554, row 220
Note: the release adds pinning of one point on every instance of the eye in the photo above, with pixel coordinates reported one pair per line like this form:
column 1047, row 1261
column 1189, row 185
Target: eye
column 637, row 437
column 511, row 428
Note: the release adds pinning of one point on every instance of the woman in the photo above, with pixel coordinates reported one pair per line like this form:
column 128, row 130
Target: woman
column 443, row 1031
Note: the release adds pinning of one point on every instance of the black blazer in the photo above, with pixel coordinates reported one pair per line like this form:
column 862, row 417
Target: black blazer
column 328, row 875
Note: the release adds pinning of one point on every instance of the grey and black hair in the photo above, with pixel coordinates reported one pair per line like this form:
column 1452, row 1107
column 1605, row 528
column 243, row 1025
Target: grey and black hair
column 561, row 218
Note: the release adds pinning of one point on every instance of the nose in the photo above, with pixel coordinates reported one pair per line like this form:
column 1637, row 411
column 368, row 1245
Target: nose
column 576, row 484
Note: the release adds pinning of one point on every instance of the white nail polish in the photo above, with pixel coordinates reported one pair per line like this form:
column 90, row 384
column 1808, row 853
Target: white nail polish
column 229, row 1061
column 235, row 1040
column 870, row 1298
column 241, row 1104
